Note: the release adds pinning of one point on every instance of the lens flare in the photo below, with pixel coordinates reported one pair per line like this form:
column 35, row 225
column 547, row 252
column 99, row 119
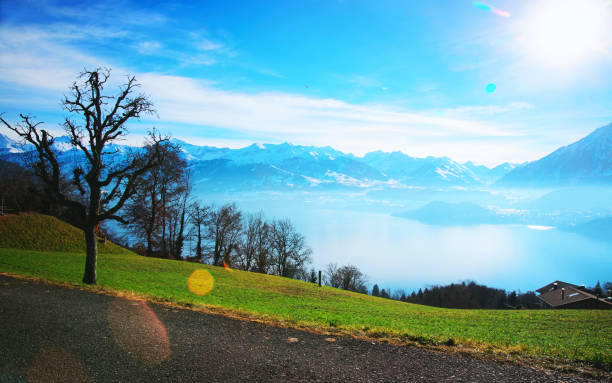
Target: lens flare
column 56, row 365
column 200, row 282
column 137, row 330
column 501, row 13
column 226, row 266
column 482, row 6
column 491, row 88
column 564, row 35
column 486, row 7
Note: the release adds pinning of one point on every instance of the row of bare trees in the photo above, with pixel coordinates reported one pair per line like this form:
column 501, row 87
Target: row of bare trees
column 161, row 216
column 347, row 277
column 157, row 212
column 225, row 235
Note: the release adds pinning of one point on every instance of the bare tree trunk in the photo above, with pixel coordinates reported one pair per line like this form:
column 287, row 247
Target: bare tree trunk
column 164, row 248
column 149, row 245
column 91, row 222
column 199, row 245
column 91, row 259
column 180, row 238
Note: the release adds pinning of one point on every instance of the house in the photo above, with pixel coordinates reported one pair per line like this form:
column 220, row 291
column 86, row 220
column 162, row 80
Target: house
column 563, row 295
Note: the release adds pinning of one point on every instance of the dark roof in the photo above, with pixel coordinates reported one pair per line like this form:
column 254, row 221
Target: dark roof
column 564, row 294
column 559, row 284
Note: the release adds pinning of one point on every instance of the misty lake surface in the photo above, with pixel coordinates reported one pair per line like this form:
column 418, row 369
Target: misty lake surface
column 399, row 253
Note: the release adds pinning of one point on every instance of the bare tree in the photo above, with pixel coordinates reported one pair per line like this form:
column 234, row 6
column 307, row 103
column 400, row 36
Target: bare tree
column 99, row 120
column 157, row 211
column 177, row 215
column 291, row 254
column 332, row 278
column 346, row 277
column 224, row 229
column 198, row 217
column 18, row 189
column 263, row 249
column 253, row 225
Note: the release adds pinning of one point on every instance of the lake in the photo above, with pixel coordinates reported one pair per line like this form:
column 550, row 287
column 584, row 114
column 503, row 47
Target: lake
column 399, row 253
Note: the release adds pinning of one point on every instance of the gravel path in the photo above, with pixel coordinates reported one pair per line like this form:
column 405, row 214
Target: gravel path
column 50, row 333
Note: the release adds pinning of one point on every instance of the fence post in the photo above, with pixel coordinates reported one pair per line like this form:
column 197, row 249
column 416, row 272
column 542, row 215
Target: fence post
column 319, row 278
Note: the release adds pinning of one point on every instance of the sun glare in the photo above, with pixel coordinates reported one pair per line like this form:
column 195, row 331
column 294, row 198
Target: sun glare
column 566, row 33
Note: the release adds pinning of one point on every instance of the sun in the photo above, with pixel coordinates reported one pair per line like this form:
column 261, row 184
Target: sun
column 565, row 33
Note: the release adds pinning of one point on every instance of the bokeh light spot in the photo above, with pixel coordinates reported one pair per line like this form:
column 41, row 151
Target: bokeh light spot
column 137, row 330
column 491, row 88
column 491, row 9
column 226, row 266
column 55, row 365
column 482, row 6
column 200, row 282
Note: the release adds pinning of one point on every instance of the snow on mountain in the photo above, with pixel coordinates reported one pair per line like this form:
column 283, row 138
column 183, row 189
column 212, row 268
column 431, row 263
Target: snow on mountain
column 62, row 144
column 490, row 175
column 285, row 164
column 200, row 153
column 8, row 145
column 437, row 171
column 276, row 154
column 282, row 166
column 587, row 161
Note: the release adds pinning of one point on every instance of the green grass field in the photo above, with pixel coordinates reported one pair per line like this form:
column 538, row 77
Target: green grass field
column 551, row 337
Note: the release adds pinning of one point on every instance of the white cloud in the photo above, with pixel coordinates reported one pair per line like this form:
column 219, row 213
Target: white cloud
column 105, row 12
column 208, row 45
column 361, row 81
column 50, row 66
column 475, row 110
column 148, row 47
column 472, row 66
column 308, row 120
column 267, row 116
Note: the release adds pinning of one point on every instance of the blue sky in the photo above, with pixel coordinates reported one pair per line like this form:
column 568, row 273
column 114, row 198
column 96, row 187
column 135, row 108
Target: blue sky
column 356, row 75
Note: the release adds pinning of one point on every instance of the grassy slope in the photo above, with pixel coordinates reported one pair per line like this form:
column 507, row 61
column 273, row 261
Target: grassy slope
column 555, row 336
column 42, row 232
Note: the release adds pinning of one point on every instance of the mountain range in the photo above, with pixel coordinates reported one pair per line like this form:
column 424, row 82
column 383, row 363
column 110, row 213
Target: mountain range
column 286, row 166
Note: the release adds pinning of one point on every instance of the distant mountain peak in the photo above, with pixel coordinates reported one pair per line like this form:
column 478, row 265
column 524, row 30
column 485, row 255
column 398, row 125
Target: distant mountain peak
column 586, row 161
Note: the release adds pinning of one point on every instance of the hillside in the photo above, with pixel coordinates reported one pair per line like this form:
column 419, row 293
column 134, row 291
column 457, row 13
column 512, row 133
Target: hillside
column 31, row 231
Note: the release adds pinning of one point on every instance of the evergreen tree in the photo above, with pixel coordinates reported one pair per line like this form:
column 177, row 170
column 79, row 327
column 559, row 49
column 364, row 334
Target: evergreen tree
column 313, row 276
column 513, row 299
column 384, row 293
column 375, row 291
column 598, row 290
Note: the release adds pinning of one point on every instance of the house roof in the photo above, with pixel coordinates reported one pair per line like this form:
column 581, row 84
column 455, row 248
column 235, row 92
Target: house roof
column 559, row 284
column 564, row 294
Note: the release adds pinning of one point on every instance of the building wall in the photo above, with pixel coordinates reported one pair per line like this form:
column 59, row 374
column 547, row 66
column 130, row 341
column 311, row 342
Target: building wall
column 586, row 304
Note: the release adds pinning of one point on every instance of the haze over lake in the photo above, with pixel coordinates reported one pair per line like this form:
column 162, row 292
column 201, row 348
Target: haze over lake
column 399, row 253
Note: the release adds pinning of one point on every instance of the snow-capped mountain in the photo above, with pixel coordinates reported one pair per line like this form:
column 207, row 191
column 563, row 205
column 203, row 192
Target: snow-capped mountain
column 421, row 171
column 287, row 166
column 8, row 146
column 487, row 175
column 283, row 165
column 587, row 161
